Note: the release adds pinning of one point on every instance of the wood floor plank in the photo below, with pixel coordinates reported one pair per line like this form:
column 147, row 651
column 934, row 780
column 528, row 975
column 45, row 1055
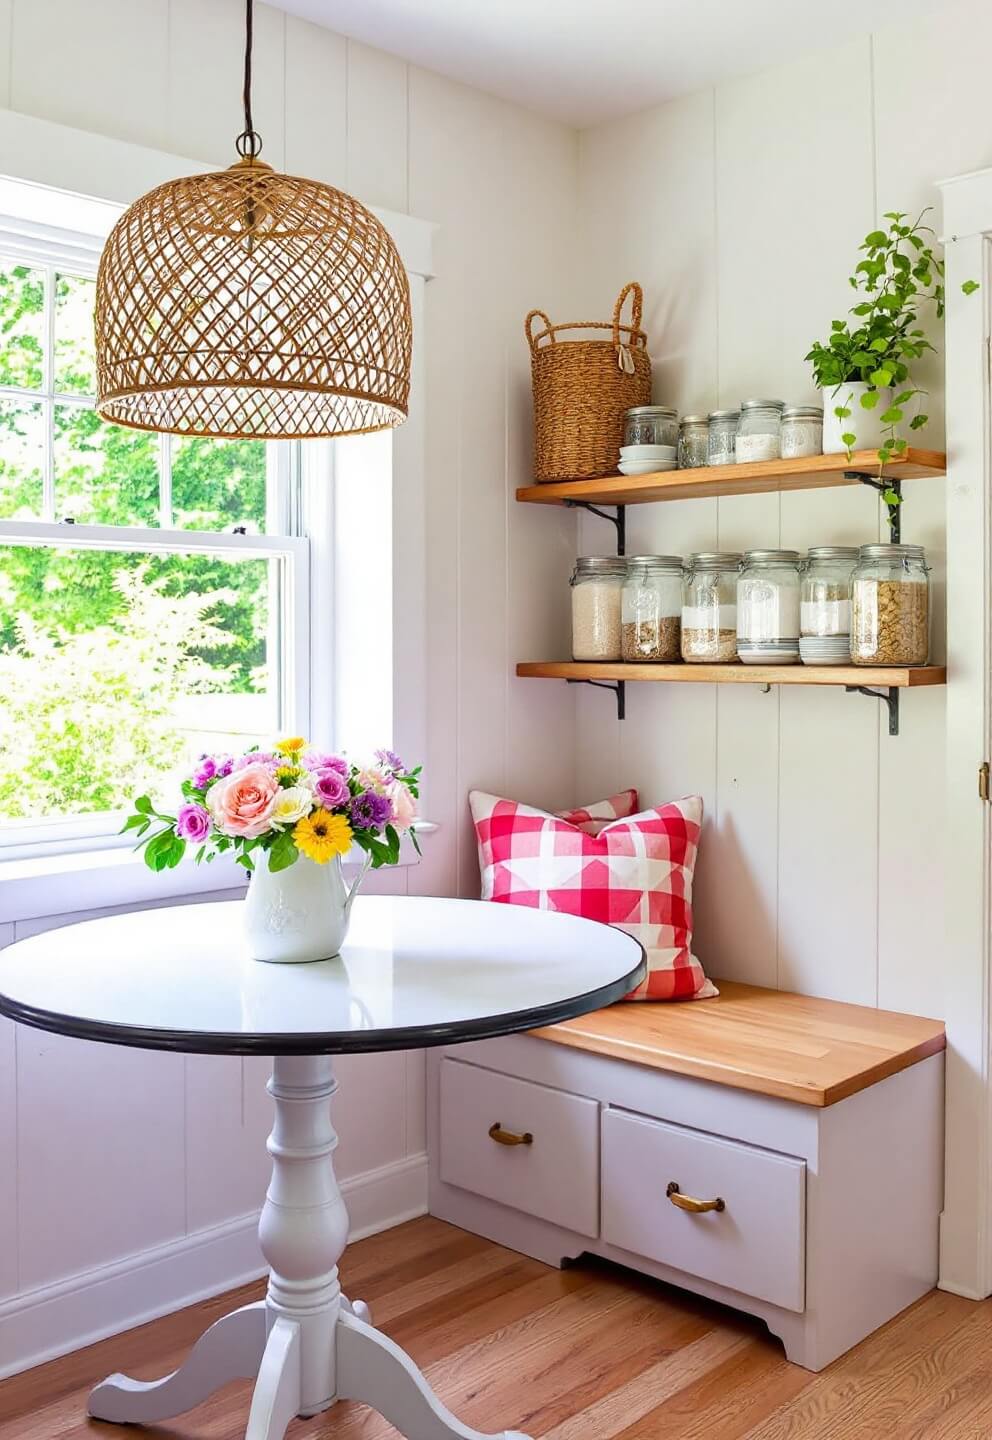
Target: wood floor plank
column 593, row 1352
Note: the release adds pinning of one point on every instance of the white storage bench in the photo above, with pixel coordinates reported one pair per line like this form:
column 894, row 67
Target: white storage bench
column 778, row 1153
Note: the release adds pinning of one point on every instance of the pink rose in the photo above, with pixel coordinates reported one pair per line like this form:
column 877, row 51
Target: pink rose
column 404, row 805
column 331, row 788
column 242, row 803
column 374, row 779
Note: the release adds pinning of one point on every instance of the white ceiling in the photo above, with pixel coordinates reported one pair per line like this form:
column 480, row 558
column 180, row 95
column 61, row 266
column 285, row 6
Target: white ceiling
column 583, row 61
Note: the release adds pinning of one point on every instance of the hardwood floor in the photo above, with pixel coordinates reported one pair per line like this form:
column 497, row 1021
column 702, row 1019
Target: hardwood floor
column 589, row 1353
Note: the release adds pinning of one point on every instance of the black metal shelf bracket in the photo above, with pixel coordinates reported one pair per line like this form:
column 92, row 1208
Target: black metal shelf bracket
column 619, row 688
column 882, row 485
column 619, row 520
column 889, row 698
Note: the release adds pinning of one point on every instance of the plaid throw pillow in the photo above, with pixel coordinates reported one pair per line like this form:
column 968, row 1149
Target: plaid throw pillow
column 592, row 818
column 635, row 874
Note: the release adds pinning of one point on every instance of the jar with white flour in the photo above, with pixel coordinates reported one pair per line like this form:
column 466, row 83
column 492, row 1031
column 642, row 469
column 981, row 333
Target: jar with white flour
column 759, row 431
column 825, row 600
column 768, row 608
column 597, row 588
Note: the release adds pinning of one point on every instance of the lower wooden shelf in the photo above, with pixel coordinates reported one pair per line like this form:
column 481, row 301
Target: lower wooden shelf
column 891, row 676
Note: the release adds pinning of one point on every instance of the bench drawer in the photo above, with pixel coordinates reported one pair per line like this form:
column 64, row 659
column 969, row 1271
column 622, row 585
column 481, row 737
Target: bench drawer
column 754, row 1244
column 555, row 1176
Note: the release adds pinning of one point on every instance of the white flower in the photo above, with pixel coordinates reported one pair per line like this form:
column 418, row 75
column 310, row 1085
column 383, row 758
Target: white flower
column 292, row 804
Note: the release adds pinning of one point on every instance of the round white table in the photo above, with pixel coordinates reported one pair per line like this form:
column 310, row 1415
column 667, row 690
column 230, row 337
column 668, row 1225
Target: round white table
column 414, row 972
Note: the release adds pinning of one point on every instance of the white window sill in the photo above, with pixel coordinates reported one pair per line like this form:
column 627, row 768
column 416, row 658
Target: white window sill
column 96, row 879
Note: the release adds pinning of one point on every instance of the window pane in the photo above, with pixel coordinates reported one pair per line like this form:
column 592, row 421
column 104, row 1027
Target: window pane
column 217, row 484
column 22, row 438
column 22, row 325
column 104, row 475
column 75, row 352
column 118, row 669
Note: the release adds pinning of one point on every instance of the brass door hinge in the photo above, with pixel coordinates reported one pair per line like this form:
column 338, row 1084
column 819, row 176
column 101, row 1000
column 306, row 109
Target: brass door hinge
column 983, row 780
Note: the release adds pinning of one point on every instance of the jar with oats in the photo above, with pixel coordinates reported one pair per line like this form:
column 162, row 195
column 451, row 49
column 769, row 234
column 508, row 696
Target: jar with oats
column 709, row 607
column 890, row 606
column 652, row 608
column 597, row 584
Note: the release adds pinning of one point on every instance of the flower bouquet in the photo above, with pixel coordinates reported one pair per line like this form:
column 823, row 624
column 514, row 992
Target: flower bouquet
column 285, row 813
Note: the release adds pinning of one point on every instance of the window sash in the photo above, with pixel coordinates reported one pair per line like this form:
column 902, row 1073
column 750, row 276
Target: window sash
column 289, row 637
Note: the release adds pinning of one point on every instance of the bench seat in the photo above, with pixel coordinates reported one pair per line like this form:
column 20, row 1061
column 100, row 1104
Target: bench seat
column 778, row 1153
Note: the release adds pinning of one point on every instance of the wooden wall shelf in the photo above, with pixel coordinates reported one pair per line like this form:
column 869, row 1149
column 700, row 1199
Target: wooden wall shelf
column 893, row 676
column 761, row 478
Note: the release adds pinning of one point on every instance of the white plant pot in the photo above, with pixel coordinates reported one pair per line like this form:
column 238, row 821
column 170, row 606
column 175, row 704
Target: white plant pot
column 298, row 914
column 862, row 423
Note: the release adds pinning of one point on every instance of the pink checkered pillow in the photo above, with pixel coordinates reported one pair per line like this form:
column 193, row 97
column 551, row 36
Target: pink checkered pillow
column 593, row 818
column 635, row 874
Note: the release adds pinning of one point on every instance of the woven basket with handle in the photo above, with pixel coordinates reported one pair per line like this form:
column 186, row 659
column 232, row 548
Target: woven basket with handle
column 582, row 388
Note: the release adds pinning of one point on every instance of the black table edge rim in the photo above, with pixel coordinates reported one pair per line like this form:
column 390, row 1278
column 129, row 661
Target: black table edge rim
column 327, row 1042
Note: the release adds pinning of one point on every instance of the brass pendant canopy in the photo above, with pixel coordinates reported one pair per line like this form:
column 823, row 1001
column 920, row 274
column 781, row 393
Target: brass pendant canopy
column 247, row 303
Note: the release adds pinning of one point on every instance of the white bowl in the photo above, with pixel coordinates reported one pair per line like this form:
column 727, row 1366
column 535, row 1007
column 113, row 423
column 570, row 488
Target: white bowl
column 647, row 452
column 647, row 467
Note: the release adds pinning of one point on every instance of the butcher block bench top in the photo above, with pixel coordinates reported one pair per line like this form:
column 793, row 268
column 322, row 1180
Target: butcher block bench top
column 791, row 1046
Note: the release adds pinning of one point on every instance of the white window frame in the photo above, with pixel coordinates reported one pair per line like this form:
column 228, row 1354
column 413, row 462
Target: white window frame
column 105, row 174
column 51, row 251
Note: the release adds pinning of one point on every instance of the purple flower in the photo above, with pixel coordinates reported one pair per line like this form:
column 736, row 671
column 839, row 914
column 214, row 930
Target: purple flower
column 254, row 757
column 389, row 760
column 370, row 811
column 205, row 771
column 318, row 760
column 331, row 788
column 225, row 767
column 193, row 823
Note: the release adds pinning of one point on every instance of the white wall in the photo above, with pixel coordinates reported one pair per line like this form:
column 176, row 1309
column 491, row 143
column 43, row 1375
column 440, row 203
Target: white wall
column 117, row 1153
column 740, row 210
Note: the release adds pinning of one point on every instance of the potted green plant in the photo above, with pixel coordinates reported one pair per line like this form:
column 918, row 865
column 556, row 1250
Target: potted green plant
column 871, row 398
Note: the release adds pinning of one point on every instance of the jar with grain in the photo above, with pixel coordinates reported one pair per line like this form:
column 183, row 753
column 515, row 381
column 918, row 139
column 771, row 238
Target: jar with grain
column 759, row 431
column 768, row 608
column 693, row 442
column 802, row 431
column 722, row 437
column 597, row 586
column 651, row 608
column 651, row 425
column 825, row 596
column 890, row 606
column 709, row 607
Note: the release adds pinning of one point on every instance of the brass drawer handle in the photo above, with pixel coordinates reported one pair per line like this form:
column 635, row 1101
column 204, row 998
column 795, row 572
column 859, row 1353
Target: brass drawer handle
column 689, row 1202
column 508, row 1137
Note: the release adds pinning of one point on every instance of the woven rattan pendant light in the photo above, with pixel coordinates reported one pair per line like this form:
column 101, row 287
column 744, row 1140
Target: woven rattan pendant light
column 249, row 303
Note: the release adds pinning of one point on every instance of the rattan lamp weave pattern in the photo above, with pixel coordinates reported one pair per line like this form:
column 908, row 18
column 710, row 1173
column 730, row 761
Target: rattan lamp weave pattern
column 250, row 303
column 247, row 303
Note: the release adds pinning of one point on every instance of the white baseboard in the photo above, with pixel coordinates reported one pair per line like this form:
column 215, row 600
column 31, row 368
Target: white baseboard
column 39, row 1325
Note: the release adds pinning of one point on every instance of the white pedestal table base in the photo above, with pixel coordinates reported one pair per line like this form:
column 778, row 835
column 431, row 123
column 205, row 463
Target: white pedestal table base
column 306, row 1345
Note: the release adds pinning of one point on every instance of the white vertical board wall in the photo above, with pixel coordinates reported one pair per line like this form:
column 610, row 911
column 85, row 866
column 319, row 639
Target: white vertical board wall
column 821, row 862
column 501, row 185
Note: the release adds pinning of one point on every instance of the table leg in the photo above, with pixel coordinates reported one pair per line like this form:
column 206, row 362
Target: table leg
column 306, row 1343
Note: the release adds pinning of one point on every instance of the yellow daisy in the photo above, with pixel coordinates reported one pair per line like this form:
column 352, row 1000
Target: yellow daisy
column 320, row 836
column 288, row 772
column 292, row 745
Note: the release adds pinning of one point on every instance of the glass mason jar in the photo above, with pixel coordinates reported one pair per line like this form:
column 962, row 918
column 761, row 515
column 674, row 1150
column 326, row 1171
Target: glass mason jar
column 722, row 437
column 693, row 442
column 709, row 607
column 651, row 608
column 825, row 594
column 768, row 607
column 759, row 431
column 802, row 431
column 597, row 586
column 890, row 606
column 651, row 425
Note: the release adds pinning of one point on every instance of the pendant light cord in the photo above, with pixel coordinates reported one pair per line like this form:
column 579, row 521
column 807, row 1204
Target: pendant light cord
column 249, row 142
